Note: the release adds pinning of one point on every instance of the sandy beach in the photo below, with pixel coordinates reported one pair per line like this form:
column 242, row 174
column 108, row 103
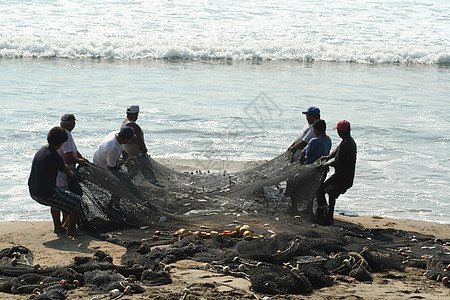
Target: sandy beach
column 56, row 250
column 50, row 249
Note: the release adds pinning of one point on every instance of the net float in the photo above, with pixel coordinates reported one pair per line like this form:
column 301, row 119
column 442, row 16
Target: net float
column 279, row 252
column 76, row 282
column 226, row 269
column 445, row 281
column 127, row 289
column 346, row 262
column 155, row 237
column 167, row 268
column 214, row 233
column 41, row 285
column 157, row 232
column 208, row 235
column 238, row 228
column 182, row 231
column 244, row 228
column 241, row 268
column 13, row 290
column 63, row 282
column 36, row 290
column 114, row 293
column 247, row 234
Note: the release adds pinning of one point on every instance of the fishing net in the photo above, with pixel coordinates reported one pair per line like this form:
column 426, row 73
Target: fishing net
column 143, row 190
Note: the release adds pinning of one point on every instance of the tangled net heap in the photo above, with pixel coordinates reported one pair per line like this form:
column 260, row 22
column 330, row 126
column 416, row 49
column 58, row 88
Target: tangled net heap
column 283, row 264
column 143, row 189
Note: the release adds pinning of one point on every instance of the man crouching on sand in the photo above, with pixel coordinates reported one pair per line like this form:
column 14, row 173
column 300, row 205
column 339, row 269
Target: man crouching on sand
column 42, row 182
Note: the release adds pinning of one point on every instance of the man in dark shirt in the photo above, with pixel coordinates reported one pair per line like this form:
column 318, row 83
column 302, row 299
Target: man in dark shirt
column 344, row 172
column 42, row 182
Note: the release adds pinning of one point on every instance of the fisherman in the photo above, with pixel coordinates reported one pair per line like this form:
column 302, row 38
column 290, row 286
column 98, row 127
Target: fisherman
column 344, row 172
column 110, row 149
column 306, row 134
column 42, row 183
column 71, row 156
column 137, row 148
column 318, row 146
column 69, row 151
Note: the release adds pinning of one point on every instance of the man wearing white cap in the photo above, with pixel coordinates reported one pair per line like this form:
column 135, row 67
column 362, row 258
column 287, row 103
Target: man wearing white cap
column 138, row 147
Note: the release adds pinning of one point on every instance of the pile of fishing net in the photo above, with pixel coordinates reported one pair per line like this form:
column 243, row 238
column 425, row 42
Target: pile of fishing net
column 143, row 190
column 18, row 275
column 281, row 264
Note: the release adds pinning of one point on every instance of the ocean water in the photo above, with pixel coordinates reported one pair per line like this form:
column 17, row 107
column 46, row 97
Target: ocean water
column 228, row 80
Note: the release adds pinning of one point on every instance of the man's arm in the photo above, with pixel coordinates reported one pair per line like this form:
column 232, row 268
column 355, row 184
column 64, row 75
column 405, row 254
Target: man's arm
column 300, row 145
column 68, row 171
column 328, row 157
column 70, row 159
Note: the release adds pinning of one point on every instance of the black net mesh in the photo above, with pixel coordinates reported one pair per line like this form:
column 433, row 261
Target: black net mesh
column 142, row 189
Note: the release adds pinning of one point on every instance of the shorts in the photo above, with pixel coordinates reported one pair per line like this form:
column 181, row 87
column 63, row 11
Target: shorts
column 62, row 200
column 333, row 187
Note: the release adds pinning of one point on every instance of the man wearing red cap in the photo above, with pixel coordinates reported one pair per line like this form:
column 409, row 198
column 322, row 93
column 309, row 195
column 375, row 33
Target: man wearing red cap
column 344, row 172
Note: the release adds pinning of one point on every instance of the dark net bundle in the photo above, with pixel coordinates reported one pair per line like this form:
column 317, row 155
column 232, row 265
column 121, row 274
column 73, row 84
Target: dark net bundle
column 380, row 261
column 104, row 281
column 284, row 247
column 142, row 190
column 437, row 271
column 278, row 280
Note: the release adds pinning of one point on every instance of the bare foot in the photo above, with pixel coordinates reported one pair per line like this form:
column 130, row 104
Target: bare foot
column 59, row 230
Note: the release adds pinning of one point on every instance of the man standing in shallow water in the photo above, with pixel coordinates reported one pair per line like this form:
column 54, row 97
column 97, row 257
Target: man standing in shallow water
column 344, row 172
column 306, row 134
column 138, row 147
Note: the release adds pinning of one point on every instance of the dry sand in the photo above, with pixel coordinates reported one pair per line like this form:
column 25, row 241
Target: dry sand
column 58, row 250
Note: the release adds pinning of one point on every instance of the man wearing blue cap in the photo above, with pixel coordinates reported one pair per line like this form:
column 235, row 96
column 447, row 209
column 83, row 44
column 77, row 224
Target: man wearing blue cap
column 306, row 134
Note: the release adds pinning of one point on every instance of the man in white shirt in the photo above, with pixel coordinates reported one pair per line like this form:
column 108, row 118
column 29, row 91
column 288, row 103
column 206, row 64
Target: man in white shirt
column 110, row 149
column 306, row 134
column 69, row 151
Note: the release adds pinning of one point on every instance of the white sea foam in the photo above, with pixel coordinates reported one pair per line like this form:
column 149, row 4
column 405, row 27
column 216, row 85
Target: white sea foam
column 341, row 31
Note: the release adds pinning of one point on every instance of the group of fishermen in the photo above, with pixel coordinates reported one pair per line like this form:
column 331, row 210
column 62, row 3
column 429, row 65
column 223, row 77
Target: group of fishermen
column 51, row 178
column 313, row 144
column 53, row 165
